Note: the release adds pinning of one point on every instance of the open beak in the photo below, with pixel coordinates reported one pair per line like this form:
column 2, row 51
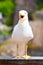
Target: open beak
column 21, row 16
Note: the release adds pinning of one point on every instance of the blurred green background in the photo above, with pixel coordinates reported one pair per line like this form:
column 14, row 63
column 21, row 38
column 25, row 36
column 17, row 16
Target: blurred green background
column 7, row 7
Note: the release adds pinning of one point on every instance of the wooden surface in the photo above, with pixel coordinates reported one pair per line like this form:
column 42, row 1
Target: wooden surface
column 21, row 62
column 34, row 60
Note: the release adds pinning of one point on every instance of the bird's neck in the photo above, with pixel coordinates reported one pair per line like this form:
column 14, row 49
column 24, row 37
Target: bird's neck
column 25, row 22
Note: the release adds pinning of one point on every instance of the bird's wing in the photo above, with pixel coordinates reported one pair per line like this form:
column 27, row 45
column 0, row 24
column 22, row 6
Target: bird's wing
column 14, row 31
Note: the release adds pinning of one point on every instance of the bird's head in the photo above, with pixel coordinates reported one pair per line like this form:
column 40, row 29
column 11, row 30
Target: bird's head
column 23, row 15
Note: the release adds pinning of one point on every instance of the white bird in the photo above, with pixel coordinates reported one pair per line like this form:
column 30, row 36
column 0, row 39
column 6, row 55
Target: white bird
column 22, row 33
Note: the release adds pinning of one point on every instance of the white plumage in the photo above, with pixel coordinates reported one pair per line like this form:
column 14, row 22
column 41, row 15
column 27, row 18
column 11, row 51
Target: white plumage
column 22, row 32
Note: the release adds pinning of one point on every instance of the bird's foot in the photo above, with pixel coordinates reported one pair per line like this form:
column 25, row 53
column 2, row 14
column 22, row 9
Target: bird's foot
column 26, row 57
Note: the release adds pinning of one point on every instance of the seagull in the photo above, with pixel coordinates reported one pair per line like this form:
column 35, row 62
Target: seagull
column 22, row 34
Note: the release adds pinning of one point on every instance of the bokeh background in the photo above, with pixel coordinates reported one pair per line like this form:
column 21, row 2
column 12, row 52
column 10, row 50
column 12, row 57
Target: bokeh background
column 9, row 17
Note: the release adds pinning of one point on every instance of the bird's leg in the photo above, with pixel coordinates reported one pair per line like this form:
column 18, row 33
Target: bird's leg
column 17, row 51
column 26, row 56
column 21, row 49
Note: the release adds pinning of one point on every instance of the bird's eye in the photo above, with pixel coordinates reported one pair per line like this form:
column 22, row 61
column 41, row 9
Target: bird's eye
column 25, row 12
